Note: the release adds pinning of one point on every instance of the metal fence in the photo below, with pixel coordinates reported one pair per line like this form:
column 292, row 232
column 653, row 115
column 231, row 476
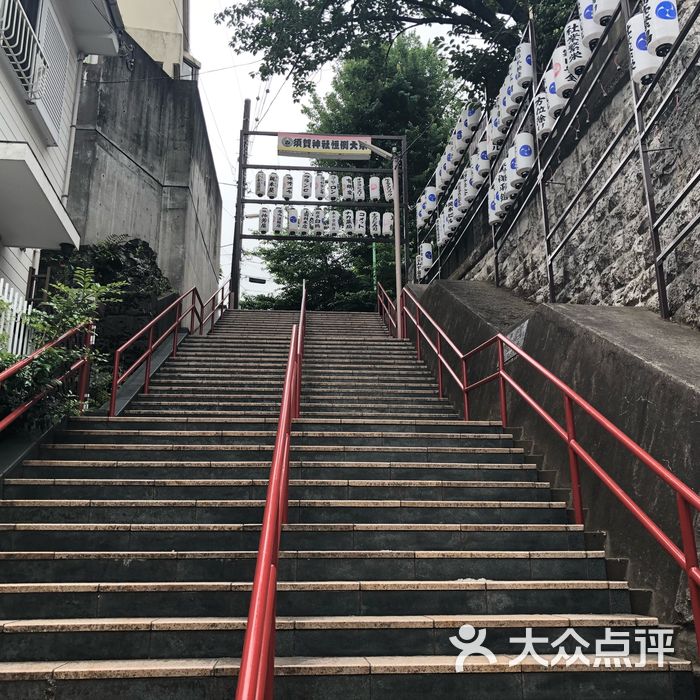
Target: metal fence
column 15, row 335
column 629, row 146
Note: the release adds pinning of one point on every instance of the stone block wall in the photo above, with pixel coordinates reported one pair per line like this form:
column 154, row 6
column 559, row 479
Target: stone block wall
column 609, row 259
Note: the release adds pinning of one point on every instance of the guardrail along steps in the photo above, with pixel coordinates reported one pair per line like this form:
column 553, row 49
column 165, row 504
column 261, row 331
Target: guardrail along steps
column 128, row 545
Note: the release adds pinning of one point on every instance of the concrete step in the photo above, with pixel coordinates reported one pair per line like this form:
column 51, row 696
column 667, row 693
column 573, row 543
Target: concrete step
column 320, row 565
column 306, row 511
column 197, row 637
column 26, row 601
column 256, row 489
column 256, row 469
column 201, row 537
column 360, row 678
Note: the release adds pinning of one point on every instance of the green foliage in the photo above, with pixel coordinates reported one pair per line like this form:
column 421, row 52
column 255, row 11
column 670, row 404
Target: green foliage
column 407, row 90
column 394, row 92
column 68, row 306
column 297, row 38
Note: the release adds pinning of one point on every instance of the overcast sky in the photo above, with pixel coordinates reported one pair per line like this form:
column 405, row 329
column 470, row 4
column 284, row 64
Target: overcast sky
column 223, row 93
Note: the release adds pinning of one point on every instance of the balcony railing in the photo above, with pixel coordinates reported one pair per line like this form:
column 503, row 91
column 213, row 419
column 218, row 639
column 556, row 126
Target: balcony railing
column 21, row 45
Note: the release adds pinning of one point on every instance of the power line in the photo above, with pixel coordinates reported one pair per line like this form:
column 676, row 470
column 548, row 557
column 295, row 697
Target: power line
column 167, row 77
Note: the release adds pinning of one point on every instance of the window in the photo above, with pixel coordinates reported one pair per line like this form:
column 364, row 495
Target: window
column 31, row 7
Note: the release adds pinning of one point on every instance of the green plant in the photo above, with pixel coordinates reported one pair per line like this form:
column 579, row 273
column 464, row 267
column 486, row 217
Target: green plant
column 68, row 306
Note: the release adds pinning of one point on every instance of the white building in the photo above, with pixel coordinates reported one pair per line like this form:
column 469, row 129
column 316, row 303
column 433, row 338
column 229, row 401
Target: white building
column 42, row 44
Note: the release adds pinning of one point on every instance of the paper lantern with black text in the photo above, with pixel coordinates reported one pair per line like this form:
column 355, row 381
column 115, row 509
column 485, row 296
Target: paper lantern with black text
column 661, row 25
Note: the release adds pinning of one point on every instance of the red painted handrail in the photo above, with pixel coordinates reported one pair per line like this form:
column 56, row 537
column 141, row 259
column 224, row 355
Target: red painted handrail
column 386, row 309
column 687, row 501
column 256, row 676
column 85, row 333
column 203, row 312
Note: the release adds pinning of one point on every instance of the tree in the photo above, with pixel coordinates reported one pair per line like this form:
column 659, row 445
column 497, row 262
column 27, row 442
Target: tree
column 297, row 38
column 396, row 90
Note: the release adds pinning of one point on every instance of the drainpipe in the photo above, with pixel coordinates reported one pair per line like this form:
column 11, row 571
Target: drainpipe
column 73, row 129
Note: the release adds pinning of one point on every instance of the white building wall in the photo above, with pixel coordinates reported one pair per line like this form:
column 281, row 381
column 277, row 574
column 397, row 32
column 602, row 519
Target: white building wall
column 18, row 124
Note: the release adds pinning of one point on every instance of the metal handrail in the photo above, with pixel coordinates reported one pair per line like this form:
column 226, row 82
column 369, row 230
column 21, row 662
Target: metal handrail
column 195, row 310
column 23, row 48
column 687, row 500
column 86, row 331
column 386, row 308
column 256, row 676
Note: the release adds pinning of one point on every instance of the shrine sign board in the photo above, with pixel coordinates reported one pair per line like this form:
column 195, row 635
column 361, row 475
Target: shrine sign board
column 323, row 147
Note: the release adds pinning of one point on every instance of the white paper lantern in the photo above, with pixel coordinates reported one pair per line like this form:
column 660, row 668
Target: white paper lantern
column 516, row 91
column 462, row 134
column 273, row 185
column 577, row 51
column 388, row 189
column 375, row 189
column 348, row 222
column 426, row 254
column 317, row 220
column 420, row 221
column 483, row 165
column 494, row 214
column 555, row 103
column 565, row 81
column 347, row 191
column 473, row 117
column 358, row 186
column 443, row 237
column 603, row 10
column 305, row 221
column 292, row 220
column 515, row 181
column 592, row 31
column 502, row 181
column 525, row 153
column 287, row 187
column 360, row 223
column 375, row 224
column 260, row 183
column 326, row 223
column 523, row 64
column 455, row 200
column 450, row 161
column 333, row 188
column 278, row 220
column 441, row 178
column 420, row 273
column 661, row 25
column 431, row 199
column 264, row 220
column 320, row 186
column 334, row 222
column 472, row 188
column 644, row 64
column 464, row 198
column 388, row 224
column 513, row 105
column 306, row 185
column 544, row 121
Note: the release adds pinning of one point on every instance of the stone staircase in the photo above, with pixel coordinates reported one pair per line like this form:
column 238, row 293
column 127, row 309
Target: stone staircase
column 128, row 545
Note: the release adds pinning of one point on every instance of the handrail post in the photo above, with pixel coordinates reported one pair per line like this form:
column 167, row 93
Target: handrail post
column 84, row 382
column 502, row 384
column 147, row 379
column 115, row 385
column 690, row 550
column 176, row 330
column 465, row 388
column 439, row 358
column 573, row 462
column 403, row 314
column 194, row 309
column 418, row 334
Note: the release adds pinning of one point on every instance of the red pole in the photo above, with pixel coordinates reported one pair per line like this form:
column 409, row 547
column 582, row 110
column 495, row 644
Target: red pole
column 439, row 354
column 266, row 669
column 690, row 550
column 192, row 314
column 418, row 333
column 573, row 462
column 115, row 386
column 147, row 381
column 465, row 387
column 403, row 314
column 176, row 332
column 502, row 384
column 84, row 383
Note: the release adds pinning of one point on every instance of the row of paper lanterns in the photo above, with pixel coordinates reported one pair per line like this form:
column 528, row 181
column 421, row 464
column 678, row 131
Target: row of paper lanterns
column 317, row 220
column 650, row 35
column 333, row 188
